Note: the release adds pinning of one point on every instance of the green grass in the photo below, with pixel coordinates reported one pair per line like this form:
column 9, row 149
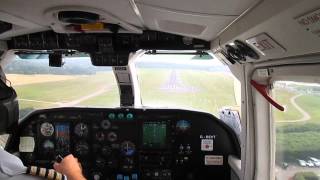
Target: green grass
column 300, row 139
column 53, row 93
column 107, row 99
column 63, row 91
column 297, row 145
column 214, row 90
column 35, row 105
column 283, row 97
column 311, row 104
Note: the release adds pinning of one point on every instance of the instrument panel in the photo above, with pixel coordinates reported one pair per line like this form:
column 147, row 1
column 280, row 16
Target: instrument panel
column 131, row 144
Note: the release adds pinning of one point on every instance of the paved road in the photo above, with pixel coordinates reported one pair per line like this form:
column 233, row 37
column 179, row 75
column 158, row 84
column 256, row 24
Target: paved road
column 305, row 115
column 176, row 84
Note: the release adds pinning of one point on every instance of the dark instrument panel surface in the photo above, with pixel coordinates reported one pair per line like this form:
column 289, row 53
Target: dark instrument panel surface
column 132, row 144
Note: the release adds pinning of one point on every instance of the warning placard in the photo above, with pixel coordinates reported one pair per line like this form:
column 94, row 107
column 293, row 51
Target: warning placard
column 311, row 22
column 207, row 144
column 212, row 160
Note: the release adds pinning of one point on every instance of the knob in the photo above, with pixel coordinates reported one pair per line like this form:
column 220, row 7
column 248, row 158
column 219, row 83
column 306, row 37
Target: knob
column 112, row 136
column 96, row 175
column 105, row 124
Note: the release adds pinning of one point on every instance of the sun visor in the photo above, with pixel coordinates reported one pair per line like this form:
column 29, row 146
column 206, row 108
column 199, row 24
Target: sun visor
column 9, row 108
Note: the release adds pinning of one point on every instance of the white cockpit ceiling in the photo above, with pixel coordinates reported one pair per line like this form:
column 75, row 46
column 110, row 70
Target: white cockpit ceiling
column 209, row 7
column 202, row 19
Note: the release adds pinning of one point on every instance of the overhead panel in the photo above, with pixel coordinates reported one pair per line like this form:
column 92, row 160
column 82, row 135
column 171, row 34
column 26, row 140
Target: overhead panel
column 201, row 19
column 187, row 24
column 32, row 11
column 210, row 7
column 275, row 30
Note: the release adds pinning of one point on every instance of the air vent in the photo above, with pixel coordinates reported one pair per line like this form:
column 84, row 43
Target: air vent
column 78, row 17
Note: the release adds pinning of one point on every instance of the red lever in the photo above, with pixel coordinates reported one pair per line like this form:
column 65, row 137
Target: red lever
column 262, row 89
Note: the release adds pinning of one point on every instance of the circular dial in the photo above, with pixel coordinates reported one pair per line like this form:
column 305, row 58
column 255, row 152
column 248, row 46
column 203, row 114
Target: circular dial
column 82, row 148
column 128, row 148
column 48, row 145
column 105, row 124
column 46, row 129
column 81, row 130
column 112, row 136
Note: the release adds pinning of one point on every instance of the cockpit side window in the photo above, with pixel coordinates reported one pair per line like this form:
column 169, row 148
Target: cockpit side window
column 297, row 130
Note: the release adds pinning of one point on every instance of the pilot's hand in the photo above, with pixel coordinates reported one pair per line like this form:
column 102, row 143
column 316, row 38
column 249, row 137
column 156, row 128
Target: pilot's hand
column 70, row 167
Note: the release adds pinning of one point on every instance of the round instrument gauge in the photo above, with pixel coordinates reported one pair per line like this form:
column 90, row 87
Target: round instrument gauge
column 82, row 148
column 112, row 136
column 81, row 130
column 105, row 124
column 128, row 148
column 48, row 145
column 46, row 129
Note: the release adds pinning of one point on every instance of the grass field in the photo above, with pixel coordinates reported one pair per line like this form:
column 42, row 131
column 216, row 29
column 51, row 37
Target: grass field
column 23, row 79
column 283, row 97
column 194, row 90
column 297, row 140
column 311, row 104
column 55, row 90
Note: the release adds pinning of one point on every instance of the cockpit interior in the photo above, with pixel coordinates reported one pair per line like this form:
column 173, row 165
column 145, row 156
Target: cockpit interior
column 160, row 90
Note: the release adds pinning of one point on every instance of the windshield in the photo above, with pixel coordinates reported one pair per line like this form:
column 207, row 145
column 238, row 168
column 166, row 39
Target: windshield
column 185, row 81
column 77, row 83
column 171, row 81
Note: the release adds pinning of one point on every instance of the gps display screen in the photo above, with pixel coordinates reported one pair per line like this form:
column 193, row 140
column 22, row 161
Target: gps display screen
column 154, row 134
